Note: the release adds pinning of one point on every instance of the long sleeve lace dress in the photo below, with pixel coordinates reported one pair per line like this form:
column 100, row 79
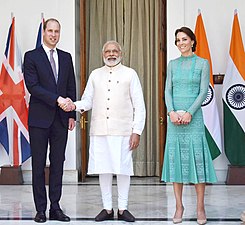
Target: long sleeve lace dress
column 187, row 157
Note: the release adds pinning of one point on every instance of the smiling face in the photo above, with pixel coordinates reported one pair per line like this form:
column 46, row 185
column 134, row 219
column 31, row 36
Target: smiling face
column 184, row 43
column 51, row 34
column 112, row 55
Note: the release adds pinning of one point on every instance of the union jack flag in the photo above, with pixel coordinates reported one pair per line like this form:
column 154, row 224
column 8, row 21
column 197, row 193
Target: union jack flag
column 39, row 34
column 14, row 136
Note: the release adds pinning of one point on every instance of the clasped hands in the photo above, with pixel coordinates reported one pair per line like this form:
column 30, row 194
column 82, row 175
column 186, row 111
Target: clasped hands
column 66, row 104
column 180, row 119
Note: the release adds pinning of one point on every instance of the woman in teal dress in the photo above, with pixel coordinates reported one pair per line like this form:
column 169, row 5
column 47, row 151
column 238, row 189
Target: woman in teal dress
column 187, row 157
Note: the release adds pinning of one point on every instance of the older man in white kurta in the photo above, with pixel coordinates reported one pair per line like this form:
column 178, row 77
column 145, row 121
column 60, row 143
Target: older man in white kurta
column 114, row 94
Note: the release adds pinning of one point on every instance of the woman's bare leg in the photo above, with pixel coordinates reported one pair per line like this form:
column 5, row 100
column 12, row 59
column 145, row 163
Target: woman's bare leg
column 178, row 190
column 200, row 189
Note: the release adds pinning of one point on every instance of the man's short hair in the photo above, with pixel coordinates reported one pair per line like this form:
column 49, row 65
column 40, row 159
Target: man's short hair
column 48, row 20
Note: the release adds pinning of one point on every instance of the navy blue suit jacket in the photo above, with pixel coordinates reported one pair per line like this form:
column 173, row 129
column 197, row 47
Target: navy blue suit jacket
column 44, row 91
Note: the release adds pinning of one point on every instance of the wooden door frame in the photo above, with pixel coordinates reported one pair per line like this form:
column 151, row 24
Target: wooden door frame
column 83, row 81
column 161, row 79
column 162, row 70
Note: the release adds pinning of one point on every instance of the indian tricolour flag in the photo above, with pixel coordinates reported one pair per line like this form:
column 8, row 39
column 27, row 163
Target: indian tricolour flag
column 233, row 95
column 209, row 106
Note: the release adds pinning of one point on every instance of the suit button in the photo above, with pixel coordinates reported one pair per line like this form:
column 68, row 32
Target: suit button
column 108, row 89
column 107, row 117
column 109, row 80
column 107, row 108
column 108, row 99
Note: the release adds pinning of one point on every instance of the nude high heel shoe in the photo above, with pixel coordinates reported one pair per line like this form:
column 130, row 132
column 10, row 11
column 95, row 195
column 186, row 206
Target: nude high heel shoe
column 201, row 222
column 178, row 220
column 243, row 217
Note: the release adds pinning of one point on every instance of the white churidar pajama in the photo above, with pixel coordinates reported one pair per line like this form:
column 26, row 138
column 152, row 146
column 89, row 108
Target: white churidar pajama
column 123, row 184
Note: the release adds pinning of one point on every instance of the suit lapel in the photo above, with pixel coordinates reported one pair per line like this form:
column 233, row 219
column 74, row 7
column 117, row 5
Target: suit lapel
column 61, row 64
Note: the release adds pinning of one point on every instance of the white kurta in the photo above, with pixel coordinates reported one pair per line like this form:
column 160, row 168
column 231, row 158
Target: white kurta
column 111, row 153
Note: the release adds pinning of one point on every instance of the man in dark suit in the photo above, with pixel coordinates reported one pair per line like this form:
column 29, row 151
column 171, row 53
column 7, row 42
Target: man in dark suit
column 49, row 77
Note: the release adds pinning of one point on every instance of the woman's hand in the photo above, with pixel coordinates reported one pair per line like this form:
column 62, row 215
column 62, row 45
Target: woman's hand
column 175, row 118
column 186, row 118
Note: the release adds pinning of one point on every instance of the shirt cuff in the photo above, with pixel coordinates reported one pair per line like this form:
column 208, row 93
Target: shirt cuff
column 79, row 107
column 136, row 131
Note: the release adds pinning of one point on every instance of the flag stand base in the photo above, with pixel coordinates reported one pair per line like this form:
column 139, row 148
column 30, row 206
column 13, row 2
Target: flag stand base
column 11, row 175
column 235, row 175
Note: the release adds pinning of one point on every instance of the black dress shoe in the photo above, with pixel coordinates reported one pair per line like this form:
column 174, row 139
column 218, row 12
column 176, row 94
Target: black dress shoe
column 125, row 216
column 104, row 215
column 40, row 217
column 58, row 215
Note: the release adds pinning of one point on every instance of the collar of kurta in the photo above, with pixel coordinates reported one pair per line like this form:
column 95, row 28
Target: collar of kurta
column 113, row 68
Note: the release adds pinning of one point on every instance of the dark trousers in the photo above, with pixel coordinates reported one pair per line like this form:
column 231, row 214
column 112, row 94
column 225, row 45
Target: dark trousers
column 56, row 136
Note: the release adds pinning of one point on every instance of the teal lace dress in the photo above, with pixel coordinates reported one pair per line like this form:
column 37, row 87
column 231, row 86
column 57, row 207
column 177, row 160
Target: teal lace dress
column 187, row 157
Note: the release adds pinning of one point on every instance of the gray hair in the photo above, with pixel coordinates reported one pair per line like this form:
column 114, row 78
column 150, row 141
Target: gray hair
column 112, row 42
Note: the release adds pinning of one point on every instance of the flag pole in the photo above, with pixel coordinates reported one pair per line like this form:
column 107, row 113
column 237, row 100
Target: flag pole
column 199, row 12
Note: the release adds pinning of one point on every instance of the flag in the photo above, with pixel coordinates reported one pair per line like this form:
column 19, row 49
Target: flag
column 14, row 136
column 39, row 34
column 233, row 95
column 209, row 106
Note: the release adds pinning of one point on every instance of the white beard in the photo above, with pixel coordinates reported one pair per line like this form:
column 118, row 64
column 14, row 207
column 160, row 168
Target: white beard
column 111, row 62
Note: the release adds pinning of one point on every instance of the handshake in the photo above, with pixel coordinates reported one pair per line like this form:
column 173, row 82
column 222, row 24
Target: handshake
column 66, row 104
